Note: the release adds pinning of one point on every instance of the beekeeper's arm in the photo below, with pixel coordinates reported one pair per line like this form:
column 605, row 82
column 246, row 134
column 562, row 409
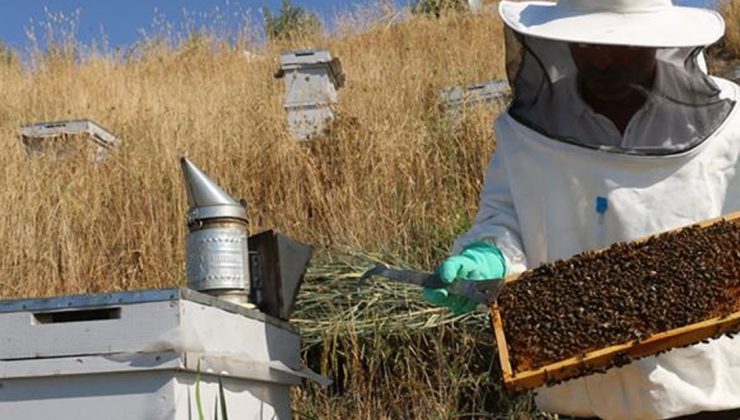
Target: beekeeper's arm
column 492, row 248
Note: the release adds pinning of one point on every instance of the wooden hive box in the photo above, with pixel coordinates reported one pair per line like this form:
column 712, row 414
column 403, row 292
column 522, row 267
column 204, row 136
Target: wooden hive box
column 149, row 354
column 615, row 354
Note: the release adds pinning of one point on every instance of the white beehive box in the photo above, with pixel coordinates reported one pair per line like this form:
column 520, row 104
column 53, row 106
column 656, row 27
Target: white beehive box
column 157, row 354
column 312, row 78
column 457, row 100
column 68, row 139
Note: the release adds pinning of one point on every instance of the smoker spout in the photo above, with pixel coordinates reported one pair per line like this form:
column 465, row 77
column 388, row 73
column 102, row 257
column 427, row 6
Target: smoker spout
column 206, row 199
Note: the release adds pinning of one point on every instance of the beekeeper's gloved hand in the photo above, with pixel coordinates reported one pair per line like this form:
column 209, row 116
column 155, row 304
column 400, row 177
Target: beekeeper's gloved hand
column 478, row 261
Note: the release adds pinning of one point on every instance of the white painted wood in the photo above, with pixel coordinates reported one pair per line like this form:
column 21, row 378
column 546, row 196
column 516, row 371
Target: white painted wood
column 38, row 137
column 122, row 396
column 216, row 333
column 85, row 365
column 223, row 366
column 306, row 121
column 152, row 327
column 143, row 362
column 310, row 87
column 244, row 400
column 72, row 127
column 143, row 395
column 312, row 79
column 141, row 327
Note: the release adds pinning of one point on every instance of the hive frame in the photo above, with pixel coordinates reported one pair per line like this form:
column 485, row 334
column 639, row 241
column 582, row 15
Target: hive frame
column 598, row 359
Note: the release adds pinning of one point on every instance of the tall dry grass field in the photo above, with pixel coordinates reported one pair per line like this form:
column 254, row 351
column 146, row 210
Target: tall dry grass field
column 731, row 13
column 387, row 178
column 392, row 179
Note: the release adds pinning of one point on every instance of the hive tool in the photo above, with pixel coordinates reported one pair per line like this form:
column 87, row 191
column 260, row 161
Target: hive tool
column 478, row 291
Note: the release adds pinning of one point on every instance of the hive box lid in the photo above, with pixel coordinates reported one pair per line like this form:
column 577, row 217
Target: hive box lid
column 99, row 135
column 305, row 57
column 307, row 60
column 150, row 321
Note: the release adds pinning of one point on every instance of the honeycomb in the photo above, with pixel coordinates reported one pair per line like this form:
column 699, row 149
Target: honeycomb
column 627, row 292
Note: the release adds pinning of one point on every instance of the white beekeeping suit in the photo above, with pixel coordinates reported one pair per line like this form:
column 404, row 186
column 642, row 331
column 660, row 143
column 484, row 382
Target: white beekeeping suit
column 564, row 179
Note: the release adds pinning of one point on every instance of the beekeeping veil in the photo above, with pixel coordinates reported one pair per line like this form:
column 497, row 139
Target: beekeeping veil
column 684, row 104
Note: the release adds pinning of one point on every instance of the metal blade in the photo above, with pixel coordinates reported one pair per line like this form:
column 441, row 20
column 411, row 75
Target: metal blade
column 478, row 291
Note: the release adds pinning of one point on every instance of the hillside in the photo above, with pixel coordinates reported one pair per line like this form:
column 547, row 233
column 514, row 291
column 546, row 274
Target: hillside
column 392, row 180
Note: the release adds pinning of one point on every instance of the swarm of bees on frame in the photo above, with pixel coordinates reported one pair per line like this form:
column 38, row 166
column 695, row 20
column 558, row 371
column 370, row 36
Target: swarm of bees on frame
column 628, row 292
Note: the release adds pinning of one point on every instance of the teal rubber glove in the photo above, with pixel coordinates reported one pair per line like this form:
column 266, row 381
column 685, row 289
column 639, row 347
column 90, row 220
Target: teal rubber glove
column 478, row 261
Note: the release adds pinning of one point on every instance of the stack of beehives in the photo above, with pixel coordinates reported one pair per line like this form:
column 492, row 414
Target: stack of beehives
column 602, row 309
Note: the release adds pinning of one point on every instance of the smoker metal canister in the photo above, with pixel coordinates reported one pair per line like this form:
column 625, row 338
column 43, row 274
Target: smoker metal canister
column 217, row 245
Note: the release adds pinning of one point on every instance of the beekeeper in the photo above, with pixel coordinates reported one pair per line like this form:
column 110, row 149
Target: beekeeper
column 614, row 132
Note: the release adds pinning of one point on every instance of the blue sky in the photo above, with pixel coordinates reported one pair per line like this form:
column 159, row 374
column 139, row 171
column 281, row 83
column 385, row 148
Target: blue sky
column 122, row 21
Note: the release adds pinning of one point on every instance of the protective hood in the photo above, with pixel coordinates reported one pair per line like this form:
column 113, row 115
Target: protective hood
column 681, row 107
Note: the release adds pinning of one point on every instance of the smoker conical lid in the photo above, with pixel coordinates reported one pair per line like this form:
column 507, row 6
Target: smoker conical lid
column 206, row 199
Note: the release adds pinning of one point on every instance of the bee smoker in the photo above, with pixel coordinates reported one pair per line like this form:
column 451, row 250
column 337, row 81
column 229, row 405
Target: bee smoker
column 217, row 244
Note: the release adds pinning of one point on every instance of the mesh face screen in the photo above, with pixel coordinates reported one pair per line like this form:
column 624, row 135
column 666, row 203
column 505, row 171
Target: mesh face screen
column 558, row 88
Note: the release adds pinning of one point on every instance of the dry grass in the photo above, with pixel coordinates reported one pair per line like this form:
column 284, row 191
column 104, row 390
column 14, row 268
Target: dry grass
column 391, row 178
column 724, row 56
column 392, row 356
column 731, row 13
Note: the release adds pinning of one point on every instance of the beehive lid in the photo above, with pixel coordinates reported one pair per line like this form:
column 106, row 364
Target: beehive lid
column 97, row 133
column 305, row 57
column 178, row 320
column 126, row 298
